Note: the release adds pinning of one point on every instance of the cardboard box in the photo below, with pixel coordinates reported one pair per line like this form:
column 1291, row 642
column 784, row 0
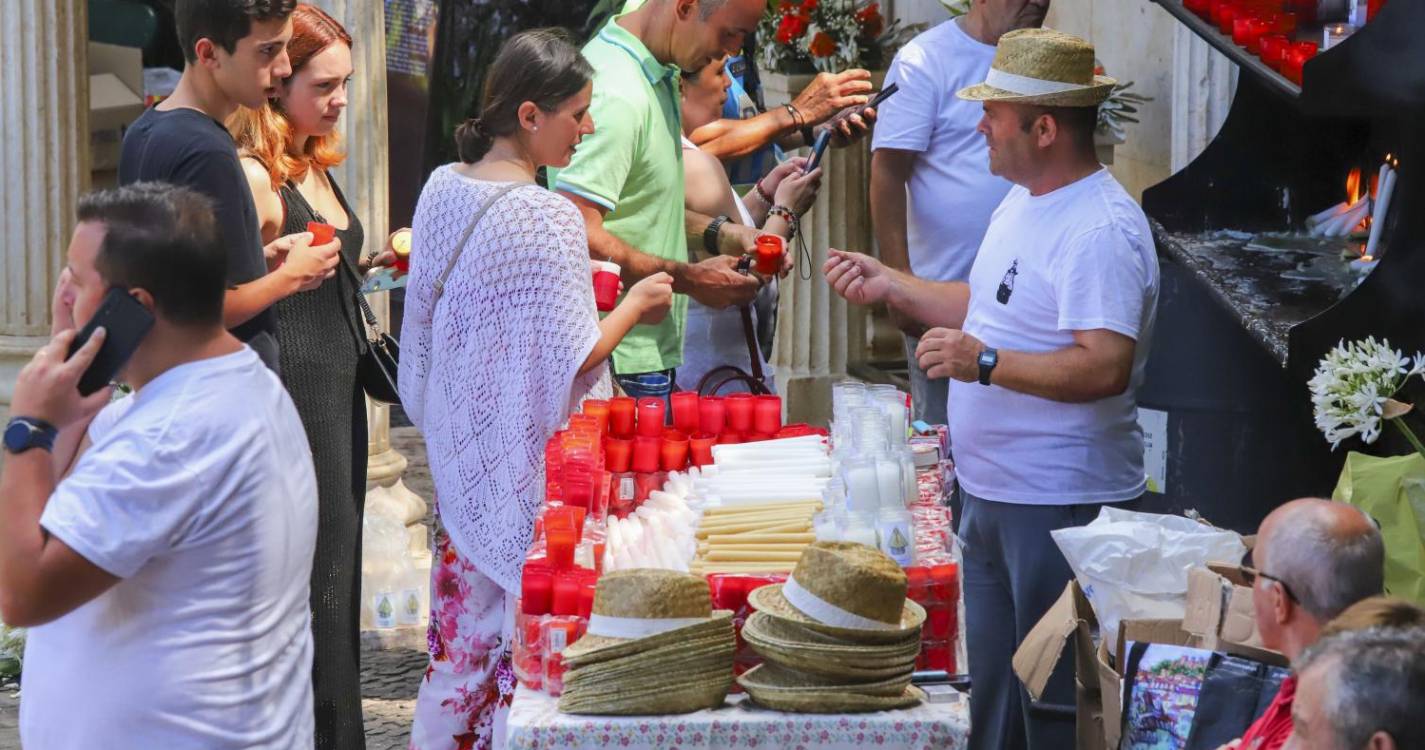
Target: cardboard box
column 1098, row 684
column 1220, row 612
column 115, row 80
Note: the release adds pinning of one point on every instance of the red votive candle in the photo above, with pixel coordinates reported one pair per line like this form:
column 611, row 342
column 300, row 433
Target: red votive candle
column 651, row 413
column 767, row 415
column 606, row 282
column 728, row 437
column 559, row 543
column 770, row 249
column 599, row 410
column 712, row 414
column 739, row 411
column 1200, row 7
column 645, row 454
column 565, row 600
column 586, row 599
column 618, row 454
column 621, row 416
column 674, row 450
column 321, row 233
column 1273, row 50
column 536, row 588
column 700, row 448
column 1296, row 58
column 1226, row 16
column 1286, row 23
column 685, row 411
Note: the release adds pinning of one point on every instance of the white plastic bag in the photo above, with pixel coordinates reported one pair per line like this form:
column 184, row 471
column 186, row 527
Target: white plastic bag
column 1134, row 566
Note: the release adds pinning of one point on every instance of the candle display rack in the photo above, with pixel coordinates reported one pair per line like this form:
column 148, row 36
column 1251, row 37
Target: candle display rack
column 1250, row 301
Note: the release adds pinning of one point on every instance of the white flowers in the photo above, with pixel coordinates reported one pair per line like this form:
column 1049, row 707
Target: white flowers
column 1353, row 384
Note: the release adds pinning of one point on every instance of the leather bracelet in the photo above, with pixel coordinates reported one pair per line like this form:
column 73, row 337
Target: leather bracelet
column 762, row 193
column 798, row 121
column 710, row 235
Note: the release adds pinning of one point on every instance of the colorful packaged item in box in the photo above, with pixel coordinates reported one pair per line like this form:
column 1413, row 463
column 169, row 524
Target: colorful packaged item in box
column 729, row 592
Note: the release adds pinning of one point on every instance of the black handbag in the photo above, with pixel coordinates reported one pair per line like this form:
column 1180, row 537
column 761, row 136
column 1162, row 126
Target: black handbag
column 379, row 364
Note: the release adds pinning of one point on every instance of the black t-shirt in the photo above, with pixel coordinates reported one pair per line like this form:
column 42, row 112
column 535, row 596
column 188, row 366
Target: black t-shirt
column 187, row 147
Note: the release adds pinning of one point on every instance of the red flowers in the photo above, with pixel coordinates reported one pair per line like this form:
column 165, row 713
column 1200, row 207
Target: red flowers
column 822, row 45
column 871, row 21
column 792, row 27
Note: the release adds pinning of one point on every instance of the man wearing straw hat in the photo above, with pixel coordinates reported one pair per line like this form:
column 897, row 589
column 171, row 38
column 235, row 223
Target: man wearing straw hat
column 1045, row 346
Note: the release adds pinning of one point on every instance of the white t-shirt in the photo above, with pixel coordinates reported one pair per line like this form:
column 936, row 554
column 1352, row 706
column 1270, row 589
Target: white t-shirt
column 1076, row 259
column 951, row 193
column 198, row 493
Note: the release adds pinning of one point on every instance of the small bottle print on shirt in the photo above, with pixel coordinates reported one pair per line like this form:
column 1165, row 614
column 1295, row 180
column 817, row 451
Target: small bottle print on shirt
column 1006, row 285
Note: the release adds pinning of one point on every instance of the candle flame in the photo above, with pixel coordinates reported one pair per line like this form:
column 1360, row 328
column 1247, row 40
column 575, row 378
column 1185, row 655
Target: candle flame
column 1367, row 258
column 1353, row 186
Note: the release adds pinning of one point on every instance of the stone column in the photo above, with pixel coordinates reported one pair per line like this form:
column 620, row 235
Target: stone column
column 365, row 179
column 44, row 158
column 817, row 332
column 1204, row 81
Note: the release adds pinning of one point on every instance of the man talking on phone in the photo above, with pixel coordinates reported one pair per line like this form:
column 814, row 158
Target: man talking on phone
column 158, row 546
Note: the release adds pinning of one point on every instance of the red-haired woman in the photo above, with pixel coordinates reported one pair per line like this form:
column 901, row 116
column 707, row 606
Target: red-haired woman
column 288, row 147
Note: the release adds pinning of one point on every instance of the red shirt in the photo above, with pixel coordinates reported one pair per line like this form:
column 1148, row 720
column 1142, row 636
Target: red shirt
column 1272, row 730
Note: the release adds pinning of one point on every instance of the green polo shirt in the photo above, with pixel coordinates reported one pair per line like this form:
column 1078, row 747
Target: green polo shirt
column 632, row 165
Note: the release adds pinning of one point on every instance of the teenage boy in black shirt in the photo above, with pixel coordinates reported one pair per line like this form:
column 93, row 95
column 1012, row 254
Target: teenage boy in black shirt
column 236, row 52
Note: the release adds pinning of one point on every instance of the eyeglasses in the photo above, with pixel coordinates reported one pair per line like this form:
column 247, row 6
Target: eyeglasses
column 1255, row 574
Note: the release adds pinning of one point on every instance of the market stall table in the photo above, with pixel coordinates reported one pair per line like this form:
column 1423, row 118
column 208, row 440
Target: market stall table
column 535, row 724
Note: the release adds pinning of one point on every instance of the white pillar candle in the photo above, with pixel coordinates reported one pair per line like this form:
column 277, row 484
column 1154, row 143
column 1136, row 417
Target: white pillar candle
column 862, row 487
column 1384, row 191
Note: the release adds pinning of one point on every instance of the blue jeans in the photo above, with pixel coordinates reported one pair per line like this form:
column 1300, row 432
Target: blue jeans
column 649, row 384
column 1013, row 573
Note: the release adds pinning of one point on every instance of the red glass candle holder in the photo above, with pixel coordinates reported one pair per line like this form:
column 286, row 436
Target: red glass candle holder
column 712, row 414
column 645, row 483
column 700, row 448
column 559, row 546
column 536, row 589
column 621, row 416
column 599, row 410
column 728, row 437
column 321, row 233
column 1286, row 23
column 618, row 454
column 1201, row 7
column 606, row 286
column 1273, row 50
column 685, row 411
column 645, row 454
column 651, row 416
column 770, row 249
column 1295, row 60
column 767, row 415
column 673, row 451
column 739, row 411
column 1226, row 16
column 566, row 594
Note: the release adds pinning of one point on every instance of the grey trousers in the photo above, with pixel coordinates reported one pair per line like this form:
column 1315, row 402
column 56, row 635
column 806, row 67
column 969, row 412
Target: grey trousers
column 928, row 396
column 1013, row 574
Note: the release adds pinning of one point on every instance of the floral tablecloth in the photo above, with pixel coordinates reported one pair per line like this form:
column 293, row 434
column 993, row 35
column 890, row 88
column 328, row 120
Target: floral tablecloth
column 536, row 724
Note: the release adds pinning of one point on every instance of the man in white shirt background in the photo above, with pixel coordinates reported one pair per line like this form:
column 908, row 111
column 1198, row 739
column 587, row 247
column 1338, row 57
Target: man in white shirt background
column 158, row 547
column 1045, row 346
column 932, row 192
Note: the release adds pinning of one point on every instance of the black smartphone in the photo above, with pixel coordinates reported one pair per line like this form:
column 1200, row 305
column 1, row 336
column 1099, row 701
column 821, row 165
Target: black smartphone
column 822, row 141
column 125, row 323
column 883, row 95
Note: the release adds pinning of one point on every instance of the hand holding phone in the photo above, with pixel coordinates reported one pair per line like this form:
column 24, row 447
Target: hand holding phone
column 823, row 139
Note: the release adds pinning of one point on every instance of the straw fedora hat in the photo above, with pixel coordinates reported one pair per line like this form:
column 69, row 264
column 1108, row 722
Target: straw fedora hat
column 1044, row 67
column 784, row 690
column 847, row 590
column 864, row 663
column 641, row 609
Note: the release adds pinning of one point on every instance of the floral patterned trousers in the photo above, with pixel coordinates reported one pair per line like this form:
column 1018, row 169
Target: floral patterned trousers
column 466, row 692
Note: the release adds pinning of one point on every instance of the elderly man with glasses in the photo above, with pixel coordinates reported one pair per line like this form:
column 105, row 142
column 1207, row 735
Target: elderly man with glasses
column 1314, row 559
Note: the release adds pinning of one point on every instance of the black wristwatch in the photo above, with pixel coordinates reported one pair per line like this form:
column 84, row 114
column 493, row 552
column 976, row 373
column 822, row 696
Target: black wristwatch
column 988, row 359
column 24, row 433
column 710, row 235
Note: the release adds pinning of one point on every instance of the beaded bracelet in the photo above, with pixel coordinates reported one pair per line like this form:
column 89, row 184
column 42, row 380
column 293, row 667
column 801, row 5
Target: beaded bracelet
column 787, row 215
column 762, row 193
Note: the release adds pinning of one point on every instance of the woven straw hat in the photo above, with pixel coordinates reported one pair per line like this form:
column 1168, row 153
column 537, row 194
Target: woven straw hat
column 847, row 590
column 843, row 663
column 785, row 690
column 640, row 609
column 1044, row 67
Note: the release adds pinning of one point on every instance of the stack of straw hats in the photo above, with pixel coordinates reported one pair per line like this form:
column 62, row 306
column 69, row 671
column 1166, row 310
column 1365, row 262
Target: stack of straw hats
column 654, row 646
column 838, row 637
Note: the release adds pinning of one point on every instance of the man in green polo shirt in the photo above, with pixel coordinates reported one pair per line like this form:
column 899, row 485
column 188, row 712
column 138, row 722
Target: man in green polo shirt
column 627, row 177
